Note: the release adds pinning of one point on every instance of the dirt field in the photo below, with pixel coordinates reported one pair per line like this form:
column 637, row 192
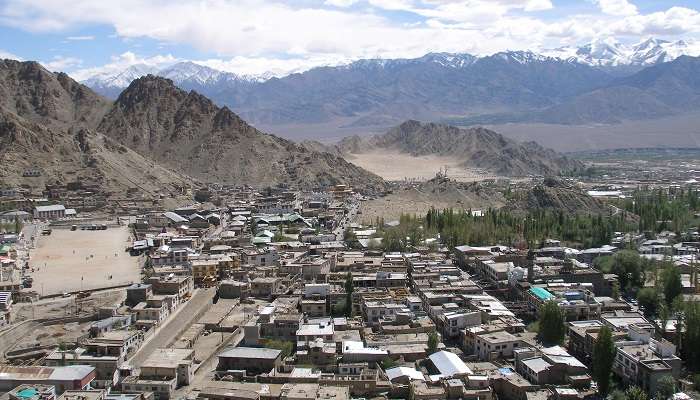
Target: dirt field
column 69, row 260
column 395, row 166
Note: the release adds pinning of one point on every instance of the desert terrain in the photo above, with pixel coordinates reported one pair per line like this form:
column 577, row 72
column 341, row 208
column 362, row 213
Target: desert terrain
column 397, row 166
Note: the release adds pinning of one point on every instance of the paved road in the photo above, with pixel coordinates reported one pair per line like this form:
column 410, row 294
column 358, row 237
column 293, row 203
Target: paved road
column 176, row 323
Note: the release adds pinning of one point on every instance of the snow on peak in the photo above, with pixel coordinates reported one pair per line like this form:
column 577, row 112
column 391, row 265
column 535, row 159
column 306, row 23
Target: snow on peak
column 608, row 52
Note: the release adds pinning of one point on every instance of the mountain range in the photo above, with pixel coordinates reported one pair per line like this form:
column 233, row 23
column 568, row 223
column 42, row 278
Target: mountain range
column 155, row 137
column 603, row 82
column 610, row 54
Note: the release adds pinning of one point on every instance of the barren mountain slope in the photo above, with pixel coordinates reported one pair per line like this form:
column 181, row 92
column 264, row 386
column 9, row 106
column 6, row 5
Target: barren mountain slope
column 45, row 122
column 189, row 133
column 555, row 195
column 475, row 148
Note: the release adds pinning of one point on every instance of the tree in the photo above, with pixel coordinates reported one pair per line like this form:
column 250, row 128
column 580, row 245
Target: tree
column 627, row 265
column 433, row 342
column 672, row 284
column 691, row 338
column 349, row 288
column 649, row 299
column 18, row 225
column 388, row 363
column 635, row 393
column 552, row 324
column 603, row 357
column 285, row 346
column 350, row 238
column 665, row 387
column 617, row 394
column 616, row 292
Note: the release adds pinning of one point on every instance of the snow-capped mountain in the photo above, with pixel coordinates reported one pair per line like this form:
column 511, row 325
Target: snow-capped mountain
column 609, row 53
column 111, row 84
column 186, row 74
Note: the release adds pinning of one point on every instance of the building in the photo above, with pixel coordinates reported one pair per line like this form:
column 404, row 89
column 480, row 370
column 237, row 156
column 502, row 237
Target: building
column 310, row 332
column 5, row 308
column 643, row 361
column 180, row 286
column 105, row 354
column 74, row 377
column 162, row 373
column 493, row 345
column 56, row 211
column 138, row 293
column 251, row 359
column 32, row 392
column 449, row 365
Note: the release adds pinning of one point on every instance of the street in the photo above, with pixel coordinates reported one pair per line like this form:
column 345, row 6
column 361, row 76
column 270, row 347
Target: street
column 176, row 323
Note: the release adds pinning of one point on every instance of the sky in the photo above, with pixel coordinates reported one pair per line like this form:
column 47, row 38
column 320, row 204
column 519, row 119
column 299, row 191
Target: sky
column 89, row 37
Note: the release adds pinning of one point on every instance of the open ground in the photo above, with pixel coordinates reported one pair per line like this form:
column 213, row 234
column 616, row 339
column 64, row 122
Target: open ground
column 397, row 166
column 68, row 261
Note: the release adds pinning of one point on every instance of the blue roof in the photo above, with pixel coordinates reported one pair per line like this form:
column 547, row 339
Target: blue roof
column 541, row 293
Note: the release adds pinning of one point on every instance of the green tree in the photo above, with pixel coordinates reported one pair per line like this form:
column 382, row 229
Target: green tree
column 18, row 225
column 672, row 283
column 691, row 337
column 665, row 387
column 284, row 346
column 603, row 357
column 617, row 394
column 433, row 342
column 388, row 363
column 349, row 288
column 636, row 393
column 350, row 238
column 627, row 265
column 649, row 299
column 552, row 324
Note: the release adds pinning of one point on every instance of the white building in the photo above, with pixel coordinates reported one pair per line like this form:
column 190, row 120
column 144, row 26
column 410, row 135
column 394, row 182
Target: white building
column 55, row 211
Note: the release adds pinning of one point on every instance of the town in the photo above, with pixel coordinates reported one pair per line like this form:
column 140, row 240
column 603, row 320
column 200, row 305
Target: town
column 284, row 294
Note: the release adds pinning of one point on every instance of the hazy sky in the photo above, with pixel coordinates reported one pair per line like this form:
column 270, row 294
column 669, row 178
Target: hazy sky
column 84, row 37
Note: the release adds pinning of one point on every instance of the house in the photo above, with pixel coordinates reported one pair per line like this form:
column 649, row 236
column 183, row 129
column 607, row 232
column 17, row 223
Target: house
column 32, row 392
column 138, row 293
column 162, row 373
column 643, row 361
column 251, row 359
column 550, row 366
column 310, row 332
column 73, row 377
column 494, row 345
column 265, row 287
column 5, row 307
column 55, row 211
column 105, row 354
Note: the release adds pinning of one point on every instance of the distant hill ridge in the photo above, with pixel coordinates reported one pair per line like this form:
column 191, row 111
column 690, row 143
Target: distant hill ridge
column 473, row 147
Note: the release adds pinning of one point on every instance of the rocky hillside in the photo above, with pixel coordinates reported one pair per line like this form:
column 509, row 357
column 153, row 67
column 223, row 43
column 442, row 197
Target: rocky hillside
column 556, row 195
column 475, row 147
column 189, row 133
column 47, row 123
